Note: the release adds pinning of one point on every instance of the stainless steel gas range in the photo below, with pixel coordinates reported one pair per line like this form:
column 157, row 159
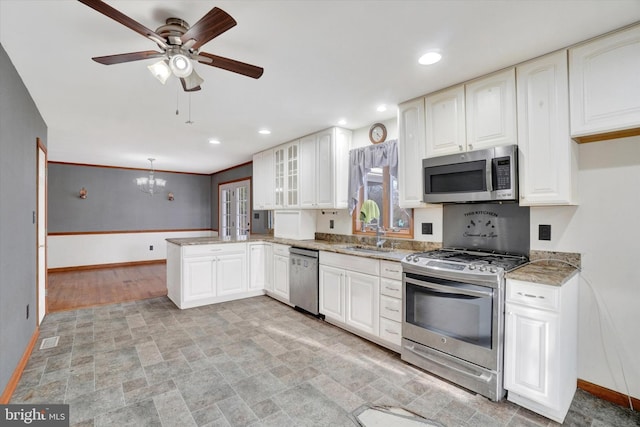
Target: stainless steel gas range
column 453, row 320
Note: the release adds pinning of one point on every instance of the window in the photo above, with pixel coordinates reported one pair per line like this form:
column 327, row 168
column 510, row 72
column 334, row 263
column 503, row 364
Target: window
column 382, row 188
column 373, row 183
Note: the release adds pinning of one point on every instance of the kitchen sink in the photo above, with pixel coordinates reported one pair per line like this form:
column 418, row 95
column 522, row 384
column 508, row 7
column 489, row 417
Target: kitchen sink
column 367, row 249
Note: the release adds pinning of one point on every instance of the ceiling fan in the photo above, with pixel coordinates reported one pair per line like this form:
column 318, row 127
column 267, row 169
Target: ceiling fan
column 179, row 44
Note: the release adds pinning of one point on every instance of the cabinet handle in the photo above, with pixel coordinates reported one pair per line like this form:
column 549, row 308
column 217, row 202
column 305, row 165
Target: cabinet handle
column 393, row 271
column 470, row 146
column 459, row 147
column 392, row 309
column 390, row 288
column 530, row 296
column 390, row 332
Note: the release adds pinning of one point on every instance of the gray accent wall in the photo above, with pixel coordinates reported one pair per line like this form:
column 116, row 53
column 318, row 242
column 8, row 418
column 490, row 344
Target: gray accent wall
column 237, row 173
column 20, row 125
column 114, row 202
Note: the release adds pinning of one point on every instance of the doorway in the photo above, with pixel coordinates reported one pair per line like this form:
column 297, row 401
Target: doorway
column 233, row 198
column 41, row 290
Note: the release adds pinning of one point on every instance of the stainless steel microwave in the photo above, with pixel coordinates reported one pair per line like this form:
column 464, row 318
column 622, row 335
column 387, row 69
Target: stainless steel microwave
column 475, row 176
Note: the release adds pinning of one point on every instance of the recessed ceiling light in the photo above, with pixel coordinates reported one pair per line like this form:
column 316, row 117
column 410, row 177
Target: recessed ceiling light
column 381, row 108
column 430, row 58
column 342, row 122
column 264, row 132
column 214, row 141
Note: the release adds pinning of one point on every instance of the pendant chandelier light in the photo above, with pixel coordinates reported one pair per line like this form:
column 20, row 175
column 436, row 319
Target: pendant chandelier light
column 150, row 185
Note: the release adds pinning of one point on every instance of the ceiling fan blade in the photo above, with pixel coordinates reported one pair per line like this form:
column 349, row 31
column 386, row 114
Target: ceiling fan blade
column 127, row 57
column 210, row 26
column 186, row 87
column 232, row 65
column 123, row 19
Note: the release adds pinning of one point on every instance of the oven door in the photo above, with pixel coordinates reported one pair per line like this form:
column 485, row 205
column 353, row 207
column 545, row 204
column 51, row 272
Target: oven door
column 456, row 318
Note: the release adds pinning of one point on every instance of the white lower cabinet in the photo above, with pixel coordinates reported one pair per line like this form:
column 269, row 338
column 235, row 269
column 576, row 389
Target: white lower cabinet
column 362, row 300
column 205, row 274
column 281, row 272
column 541, row 330
column 350, row 292
column 260, row 266
column 331, row 282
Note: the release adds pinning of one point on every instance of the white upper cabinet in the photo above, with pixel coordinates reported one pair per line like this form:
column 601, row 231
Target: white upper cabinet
column 491, row 110
column 311, row 173
column 279, row 175
column 478, row 114
column 604, row 77
column 411, row 151
column 547, row 156
column 292, row 175
column 263, row 180
column 445, row 122
column 324, row 168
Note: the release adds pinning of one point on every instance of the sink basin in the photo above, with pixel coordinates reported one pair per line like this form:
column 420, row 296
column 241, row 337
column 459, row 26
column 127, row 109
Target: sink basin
column 367, row 249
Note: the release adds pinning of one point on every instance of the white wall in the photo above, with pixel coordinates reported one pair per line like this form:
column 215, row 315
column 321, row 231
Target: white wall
column 605, row 229
column 93, row 249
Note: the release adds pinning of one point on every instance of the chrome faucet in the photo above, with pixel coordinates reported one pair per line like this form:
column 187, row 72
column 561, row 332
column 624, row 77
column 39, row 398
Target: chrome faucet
column 379, row 234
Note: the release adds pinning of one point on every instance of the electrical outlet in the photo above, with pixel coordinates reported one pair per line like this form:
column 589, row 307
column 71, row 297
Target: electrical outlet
column 427, row 228
column 544, row 232
column 27, row 311
column 330, row 223
column 150, row 247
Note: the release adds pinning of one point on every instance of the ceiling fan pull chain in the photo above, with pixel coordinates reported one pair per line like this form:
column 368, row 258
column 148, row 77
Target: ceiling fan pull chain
column 177, row 96
column 189, row 122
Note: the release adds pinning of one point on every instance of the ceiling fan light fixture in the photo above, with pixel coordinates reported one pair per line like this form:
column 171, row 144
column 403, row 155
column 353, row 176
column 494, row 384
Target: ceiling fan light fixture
column 160, row 71
column 180, row 65
column 192, row 81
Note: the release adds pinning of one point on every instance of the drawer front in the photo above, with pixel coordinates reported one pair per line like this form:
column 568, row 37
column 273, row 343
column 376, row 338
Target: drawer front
column 392, row 288
column 282, row 250
column 359, row 264
column 192, row 250
column 533, row 294
column 391, row 270
column 391, row 308
column 391, row 331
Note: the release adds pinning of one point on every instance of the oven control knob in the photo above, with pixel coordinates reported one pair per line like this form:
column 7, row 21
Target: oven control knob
column 483, row 268
column 472, row 267
column 493, row 270
column 443, row 339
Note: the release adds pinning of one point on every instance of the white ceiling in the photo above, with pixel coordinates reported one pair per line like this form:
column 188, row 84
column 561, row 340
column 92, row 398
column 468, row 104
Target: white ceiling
column 323, row 60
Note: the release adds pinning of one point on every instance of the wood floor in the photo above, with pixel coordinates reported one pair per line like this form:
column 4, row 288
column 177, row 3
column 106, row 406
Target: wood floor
column 71, row 290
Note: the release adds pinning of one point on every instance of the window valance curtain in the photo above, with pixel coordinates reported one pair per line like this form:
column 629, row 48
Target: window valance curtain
column 362, row 160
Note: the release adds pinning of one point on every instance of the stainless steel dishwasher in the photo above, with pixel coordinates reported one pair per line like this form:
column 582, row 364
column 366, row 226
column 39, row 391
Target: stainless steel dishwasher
column 303, row 279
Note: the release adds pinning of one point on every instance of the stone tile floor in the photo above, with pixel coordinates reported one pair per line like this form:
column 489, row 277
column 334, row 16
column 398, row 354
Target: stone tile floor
column 252, row 362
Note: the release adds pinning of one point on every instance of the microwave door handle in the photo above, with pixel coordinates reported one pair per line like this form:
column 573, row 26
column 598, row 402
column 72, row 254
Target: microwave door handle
column 449, row 289
column 488, row 170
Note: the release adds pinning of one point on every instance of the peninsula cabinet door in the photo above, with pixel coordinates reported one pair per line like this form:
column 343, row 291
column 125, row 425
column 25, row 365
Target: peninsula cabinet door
column 231, row 274
column 199, row 278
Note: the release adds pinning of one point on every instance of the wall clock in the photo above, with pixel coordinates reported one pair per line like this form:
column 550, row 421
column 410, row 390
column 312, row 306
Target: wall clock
column 377, row 133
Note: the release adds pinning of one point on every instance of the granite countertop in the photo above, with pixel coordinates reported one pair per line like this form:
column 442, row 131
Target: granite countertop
column 553, row 273
column 539, row 270
column 320, row 245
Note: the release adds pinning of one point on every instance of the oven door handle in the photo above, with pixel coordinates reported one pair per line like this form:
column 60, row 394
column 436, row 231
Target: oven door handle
column 449, row 289
column 479, row 375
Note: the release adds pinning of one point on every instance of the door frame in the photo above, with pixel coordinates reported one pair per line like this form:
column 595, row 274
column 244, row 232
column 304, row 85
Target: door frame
column 41, row 150
column 249, row 200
